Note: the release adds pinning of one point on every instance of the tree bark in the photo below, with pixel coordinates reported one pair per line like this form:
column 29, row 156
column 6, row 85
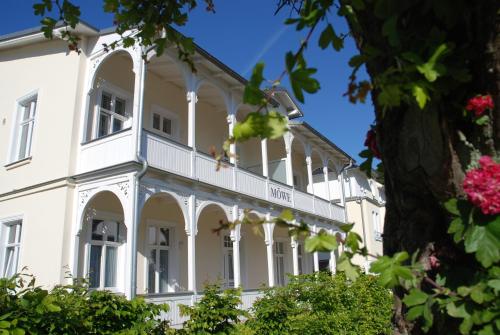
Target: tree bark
column 424, row 159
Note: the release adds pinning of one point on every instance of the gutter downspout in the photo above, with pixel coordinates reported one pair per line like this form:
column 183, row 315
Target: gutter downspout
column 138, row 176
column 359, row 201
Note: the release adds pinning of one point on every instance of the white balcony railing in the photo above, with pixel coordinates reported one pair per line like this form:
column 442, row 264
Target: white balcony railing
column 164, row 154
column 174, row 300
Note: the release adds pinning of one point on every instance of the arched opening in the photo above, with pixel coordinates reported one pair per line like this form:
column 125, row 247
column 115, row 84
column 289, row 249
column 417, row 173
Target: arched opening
column 253, row 255
column 282, row 253
column 102, row 243
column 111, row 97
column 211, row 119
column 165, row 104
column 276, row 157
column 319, row 186
column 249, row 153
column 299, row 165
column 214, row 252
column 162, row 247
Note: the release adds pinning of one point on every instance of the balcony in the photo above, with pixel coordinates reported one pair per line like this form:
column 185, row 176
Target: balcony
column 167, row 155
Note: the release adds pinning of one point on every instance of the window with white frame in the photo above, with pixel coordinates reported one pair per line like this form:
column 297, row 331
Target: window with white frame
column 279, row 262
column 164, row 122
column 159, row 242
column 105, row 240
column 112, row 111
column 23, row 131
column 11, row 242
column 376, row 226
column 228, row 261
column 300, row 254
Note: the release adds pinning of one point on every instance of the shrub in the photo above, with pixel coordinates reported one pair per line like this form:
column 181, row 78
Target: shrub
column 73, row 309
column 215, row 313
column 322, row 304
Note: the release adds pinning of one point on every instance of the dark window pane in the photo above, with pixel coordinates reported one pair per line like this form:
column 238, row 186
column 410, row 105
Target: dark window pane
column 110, row 272
column 152, row 271
column 167, row 126
column 106, row 101
column 164, row 236
column 117, row 125
column 95, row 265
column 156, row 121
column 104, row 120
column 97, row 230
column 120, row 106
column 163, row 271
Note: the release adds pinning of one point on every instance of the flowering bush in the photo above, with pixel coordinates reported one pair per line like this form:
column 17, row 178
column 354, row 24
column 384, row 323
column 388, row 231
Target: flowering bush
column 482, row 186
column 479, row 104
column 371, row 143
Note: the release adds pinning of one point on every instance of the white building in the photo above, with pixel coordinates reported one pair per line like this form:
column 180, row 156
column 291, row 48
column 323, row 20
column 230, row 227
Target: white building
column 107, row 173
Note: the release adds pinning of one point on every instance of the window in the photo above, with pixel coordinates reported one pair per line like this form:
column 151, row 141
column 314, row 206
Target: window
column 112, row 113
column 105, row 239
column 23, row 131
column 279, row 260
column 300, row 258
column 158, row 259
column 377, row 232
column 11, row 244
column 164, row 122
column 228, row 261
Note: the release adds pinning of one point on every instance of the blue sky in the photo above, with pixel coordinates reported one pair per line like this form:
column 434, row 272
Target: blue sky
column 241, row 33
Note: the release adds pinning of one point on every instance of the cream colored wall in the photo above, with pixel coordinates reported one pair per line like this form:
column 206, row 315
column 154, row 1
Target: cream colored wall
column 43, row 232
column 211, row 127
column 299, row 168
column 250, row 154
column 168, row 96
column 253, row 259
column 169, row 213
column 48, row 68
column 209, row 256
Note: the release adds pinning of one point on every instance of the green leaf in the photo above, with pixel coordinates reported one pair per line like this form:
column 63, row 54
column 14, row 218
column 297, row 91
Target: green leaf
column 390, row 96
column 301, row 80
column 389, row 29
column 432, row 69
column 420, row 94
column 391, row 270
column 481, row 121
column 456, row 228
column 457, row 312
column 495, row 285
column 252, row 94
column 452, row 206
column 487, row 330
column 466, row 326
column 287, row 215
column 328, row 36
column 345, row 265
column 271, row 125
column 484, row 243
column 415, row 312
column 415, row 297
column 321, row 242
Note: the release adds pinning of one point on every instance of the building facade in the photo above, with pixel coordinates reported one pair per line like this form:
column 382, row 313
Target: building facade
column 108, row 173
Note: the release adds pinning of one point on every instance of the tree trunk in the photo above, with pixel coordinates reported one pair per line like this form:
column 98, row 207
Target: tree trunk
column 424, row 159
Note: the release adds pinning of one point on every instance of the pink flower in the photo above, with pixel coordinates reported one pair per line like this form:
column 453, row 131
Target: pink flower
column 371, row 143
column 479, row 104
column 434, row 262
column 482, row 186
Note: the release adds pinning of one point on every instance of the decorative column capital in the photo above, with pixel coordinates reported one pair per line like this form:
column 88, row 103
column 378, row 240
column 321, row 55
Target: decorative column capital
column 308, row 160
column 191, row 96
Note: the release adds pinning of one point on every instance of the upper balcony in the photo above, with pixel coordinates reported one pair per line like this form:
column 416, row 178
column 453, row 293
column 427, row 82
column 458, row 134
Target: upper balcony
column 185, row 117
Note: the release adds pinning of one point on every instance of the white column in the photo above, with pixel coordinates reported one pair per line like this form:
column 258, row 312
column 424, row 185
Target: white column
column 315, row 254
column 191, row 239
column 327, row 182
column 235, row 238
column 310, row 182
column 288, row 161
column 268, row 232
column 192, row 99
column 333, row 259
column 295, row 255
column 128, row 218
column 231, row 121
column 265, row 165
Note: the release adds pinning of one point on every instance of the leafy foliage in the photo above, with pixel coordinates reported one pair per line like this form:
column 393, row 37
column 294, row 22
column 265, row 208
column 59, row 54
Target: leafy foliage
column 28, row 309
column 215, row 313
column 324, row 304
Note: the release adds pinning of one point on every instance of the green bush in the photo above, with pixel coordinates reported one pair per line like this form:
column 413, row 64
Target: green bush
column 322, row 304
column 73, row 309
column 215, row 313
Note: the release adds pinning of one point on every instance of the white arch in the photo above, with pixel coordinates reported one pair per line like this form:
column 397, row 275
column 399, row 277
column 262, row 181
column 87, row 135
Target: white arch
column 95, row 192
column 103, row 58
column 176, row 198
column 207, row 203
